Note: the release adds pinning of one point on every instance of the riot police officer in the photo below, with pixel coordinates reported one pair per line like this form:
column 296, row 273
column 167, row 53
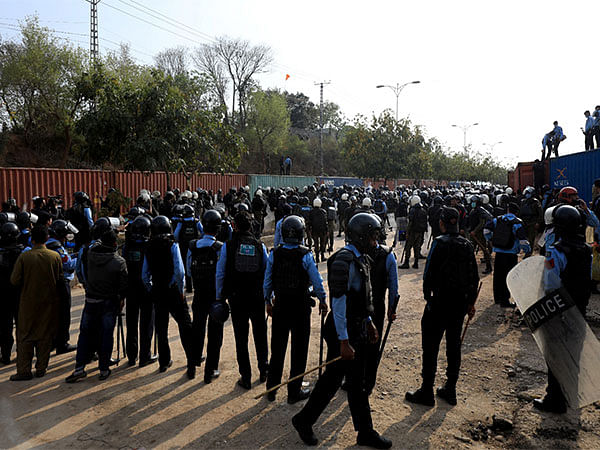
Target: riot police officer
column 239, row 279
column 384, row 277
column 163, row 275
column 417, row 226
column 58, row 231
column 478, row 218
column 450, row 289
column 201, row 262
column 568, row 265
column 329, row 207
column 531, row 214
column 348, row 330
column 10, row 250
column 290, row 271
column 81, row 215
column 139, row 314
column 185, row 232
column 317, row 219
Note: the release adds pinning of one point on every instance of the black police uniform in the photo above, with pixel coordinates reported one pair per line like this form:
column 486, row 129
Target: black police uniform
column 450, row 285
column 187, row 233
column 359, row 306
column 291, row 313
column 140, row 309
column 203, row 272
column 244, row 275
column 9, row 253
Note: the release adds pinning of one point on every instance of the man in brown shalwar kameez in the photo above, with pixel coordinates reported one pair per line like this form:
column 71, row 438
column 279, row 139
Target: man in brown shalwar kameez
column 38, row 272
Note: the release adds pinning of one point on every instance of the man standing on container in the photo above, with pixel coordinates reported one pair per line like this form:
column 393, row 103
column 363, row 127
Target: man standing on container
column 588, row 131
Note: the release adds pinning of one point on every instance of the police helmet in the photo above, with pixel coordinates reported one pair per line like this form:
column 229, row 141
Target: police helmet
column 160, row 225
column 135, row 211
column 9, row 232
column 187, row 211
column 292, row 230
column 178, row 210
column 485, row 199
column 155, row 195
column 303, row 201
column 101, row 226
column 294, row 199
column 219, row 311
column 81, row 197
column 169, row 196
column 3, row 218
column 438, row 200
column 475, row 200
column 548, row 215
column 211, row 221
column 366, row 202
column 23, row 220
column 508, row 191
column 362, row 228
column 450, row 217
column 344, row 196
column 140, row 228
column 353, row 199
column 317, row 203
column 528, row 191
column 415, row 200
column 59, row 229
column 325, row 202
column 567, row 220
column 242, row 207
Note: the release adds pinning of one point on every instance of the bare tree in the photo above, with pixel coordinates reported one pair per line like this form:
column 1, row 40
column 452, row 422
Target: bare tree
column 172, row 61
column 238, row 60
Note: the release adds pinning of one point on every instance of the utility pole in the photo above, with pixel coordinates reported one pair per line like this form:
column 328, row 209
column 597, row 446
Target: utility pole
column 94, row 47
column 322, row 83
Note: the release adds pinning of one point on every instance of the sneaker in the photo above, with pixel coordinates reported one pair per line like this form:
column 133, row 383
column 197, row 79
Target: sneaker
column 305, row 431
column 447, row 393
column 302, row 394
column 373, row 439
column 104, row 374
column 75, row 376
column 21, row 377
column 421, row 396
column 548, row 405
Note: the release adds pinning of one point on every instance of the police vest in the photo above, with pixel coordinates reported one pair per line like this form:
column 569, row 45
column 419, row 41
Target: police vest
column 331, row 213
column 503, row 236
column 204, row 264
column 359, row 304
column 576, row 276
column 188, row 231
column 454, row 274
column 379, row 274
column 318, row 220
column 160, row 260
column 133, row 252
column 419, row 220
column 244, row 265
column 289, row 277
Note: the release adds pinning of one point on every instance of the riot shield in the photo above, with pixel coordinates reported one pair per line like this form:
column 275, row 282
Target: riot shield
column 569, row 346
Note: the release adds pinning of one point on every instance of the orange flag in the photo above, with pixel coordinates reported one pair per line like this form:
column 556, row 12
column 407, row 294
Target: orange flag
column 287, row 75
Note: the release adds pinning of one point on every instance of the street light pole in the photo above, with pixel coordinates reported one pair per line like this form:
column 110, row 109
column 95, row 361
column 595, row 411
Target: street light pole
column 397, row 89
column 465, row 128
column 491, row 146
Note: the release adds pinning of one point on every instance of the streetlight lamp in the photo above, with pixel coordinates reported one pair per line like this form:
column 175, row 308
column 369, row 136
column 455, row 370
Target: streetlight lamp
column 397, row 89
column 464, row 128
column 491, row 146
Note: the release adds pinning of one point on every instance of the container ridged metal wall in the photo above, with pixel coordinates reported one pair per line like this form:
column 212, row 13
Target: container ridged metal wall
column 578, row 170
column 24, row 183
column 278, row 181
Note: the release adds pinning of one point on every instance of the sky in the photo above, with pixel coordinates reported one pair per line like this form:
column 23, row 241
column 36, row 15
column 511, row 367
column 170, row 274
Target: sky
column 513, row 67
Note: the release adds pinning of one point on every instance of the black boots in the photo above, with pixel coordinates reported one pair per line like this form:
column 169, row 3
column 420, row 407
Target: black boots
column 422, row 396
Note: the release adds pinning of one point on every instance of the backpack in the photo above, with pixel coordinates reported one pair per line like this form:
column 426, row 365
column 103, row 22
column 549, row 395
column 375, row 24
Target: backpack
column 503, row 236
column 455, row 271
column 204, row 263
column 420, row 219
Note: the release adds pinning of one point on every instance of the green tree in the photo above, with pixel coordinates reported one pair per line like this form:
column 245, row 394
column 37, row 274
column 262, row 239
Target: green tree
column 39, row 78
column 268, row 125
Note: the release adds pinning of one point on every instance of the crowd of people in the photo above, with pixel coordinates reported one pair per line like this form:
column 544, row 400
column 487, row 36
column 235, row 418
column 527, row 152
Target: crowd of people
column 211, row 244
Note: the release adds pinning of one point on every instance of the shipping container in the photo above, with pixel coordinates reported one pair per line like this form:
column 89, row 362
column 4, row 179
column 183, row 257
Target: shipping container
column 332, row 182
column 578, row 170
column 278, row 181
column 25, row 183
column 523, row 176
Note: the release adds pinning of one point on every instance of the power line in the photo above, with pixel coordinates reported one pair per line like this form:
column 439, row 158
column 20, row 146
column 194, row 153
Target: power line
column 44, row 20
column 49, row 29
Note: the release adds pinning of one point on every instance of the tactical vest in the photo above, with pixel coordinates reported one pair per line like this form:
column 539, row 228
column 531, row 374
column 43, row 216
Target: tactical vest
column 244, row 265
column 160, row 260
column 8, row 258
column 359, row 304
column 331, row 213
column 133, row 253
column 318, row 220
column 379, row 275
column 289, row 277
column 188, row 231
column 503, row 236
column 453, row 277
column 576, row 276
column 419, row 223
column 204, row 264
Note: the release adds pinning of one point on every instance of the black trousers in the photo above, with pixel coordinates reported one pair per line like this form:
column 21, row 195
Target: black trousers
column 589, row 140
column 553, row 147
column 373, row 349
column 200, row 307
column 434, row 323
column 320, row 240
column 246, row 309
column 503, row 263
column 286, row 320
column 8, row 317
column 330, row 232
column 596, row 132
column 168, row 300
column 139, row 315
column 331, row 380
column 64, row 316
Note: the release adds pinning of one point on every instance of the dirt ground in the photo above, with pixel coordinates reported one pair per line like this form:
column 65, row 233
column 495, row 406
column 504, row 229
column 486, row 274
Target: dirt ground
column 502, row 371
